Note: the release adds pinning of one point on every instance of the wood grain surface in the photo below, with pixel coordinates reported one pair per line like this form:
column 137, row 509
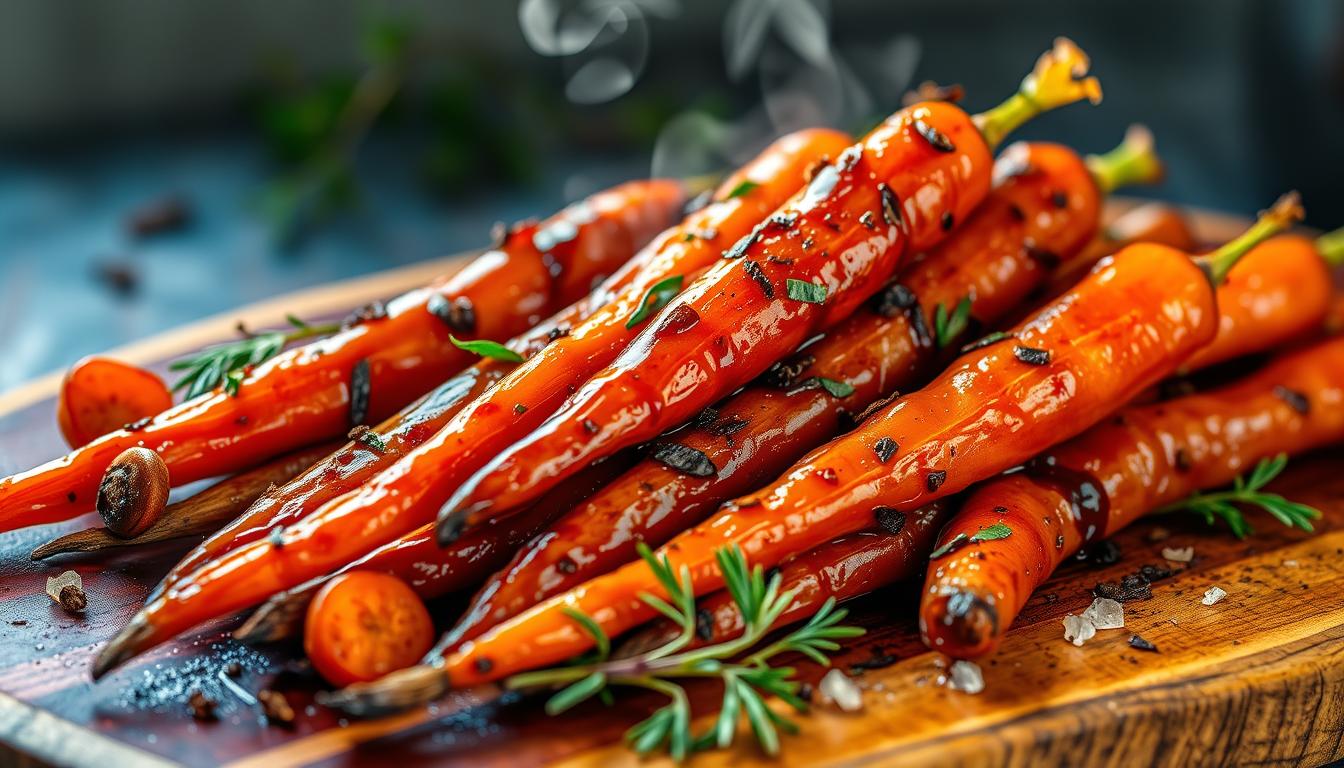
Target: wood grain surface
column 1254, row 679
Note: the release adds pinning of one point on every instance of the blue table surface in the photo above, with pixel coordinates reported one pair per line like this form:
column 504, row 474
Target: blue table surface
column 63, row 213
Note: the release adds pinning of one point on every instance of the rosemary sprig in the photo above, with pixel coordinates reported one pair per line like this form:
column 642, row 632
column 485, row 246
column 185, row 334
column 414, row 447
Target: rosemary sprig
column 746, row 683
column 947, row 327
column 1246, row 490
column 227, row 363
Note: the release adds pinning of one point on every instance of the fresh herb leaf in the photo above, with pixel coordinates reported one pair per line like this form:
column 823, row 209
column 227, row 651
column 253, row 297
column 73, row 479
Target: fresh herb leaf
column 746, row 683
column 947, row 328
column 800, row 290
column 994, row 532
column 1247, row 490
column 486, row 348
column 657, row 297
column 226, row 364
column 999, row 530
column 742, row 188
column 836, row 388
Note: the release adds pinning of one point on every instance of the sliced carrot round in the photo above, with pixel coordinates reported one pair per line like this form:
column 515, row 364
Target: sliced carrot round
column 101, row 395
column 363, row 625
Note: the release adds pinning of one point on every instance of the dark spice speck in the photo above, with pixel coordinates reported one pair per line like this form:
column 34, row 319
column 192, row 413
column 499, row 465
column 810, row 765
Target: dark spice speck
column 684, row 459
column 1031, row 355
column 885, row 449
column 934, row 480
column 889, row 519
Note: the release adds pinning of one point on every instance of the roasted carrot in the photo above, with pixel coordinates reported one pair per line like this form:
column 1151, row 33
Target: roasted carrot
column 101, row 395
column 896, row 193
column 1043, row 210
column 1150, row 222
column 387, row 506
column 1149, row 456
column 841, row 569
column 363, row 625
column 1130, row 322
column 385, row 359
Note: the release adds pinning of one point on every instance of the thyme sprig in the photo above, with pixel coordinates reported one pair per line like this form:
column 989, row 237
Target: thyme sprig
column 227, row 363
column 746, row 683
column 1246, row 489
column 947, row 327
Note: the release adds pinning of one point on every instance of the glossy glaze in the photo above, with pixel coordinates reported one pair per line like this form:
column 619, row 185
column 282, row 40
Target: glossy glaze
column 406, row 494
column 303, row 395
column 1143, row 458
column 843, row 232
column 757, row 433
column 1133, row 320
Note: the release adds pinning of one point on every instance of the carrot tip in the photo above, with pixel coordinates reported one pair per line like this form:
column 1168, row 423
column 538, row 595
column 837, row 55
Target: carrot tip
column 400, row 690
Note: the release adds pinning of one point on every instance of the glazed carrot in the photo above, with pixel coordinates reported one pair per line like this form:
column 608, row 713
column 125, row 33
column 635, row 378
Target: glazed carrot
column 1149, row 456
column 1044, row 209
column 896, row 193
column 841, row 569
column 101, row 395
column 364, row 625
column 433, row 571
column 1147, row 223
column 370, row 369
column 1133, row 320
column 406, row 494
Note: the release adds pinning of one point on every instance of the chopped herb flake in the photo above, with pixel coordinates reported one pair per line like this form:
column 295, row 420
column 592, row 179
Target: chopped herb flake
column 658, row 296
column 947, row 328
column 811, row 293
column 486, row 348
column 742, row 188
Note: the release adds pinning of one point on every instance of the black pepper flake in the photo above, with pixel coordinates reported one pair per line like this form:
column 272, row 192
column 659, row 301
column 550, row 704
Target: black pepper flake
column 359, row 392
column 936, row 138
column 1295, row 400
column 519, row 408
column 891, row 207
column 1138, row 643
column 879, row 660
column 1031, row 355
column 868, row 220
column 71, row 497
column 947, row 221
column 458, row 314
column 1183, row 463
column 138, row 424
column 783, row 220
column 780, row 260
column 556, row 333
column 590, row 426
column 1060, row 199
column 484, row 665
column 684, row 459
column 893, row 300
column 783, row 374
column 739, row 248
column 374, row 310
column 889, row 519
column 755, row 272
column 566, row 565
column 704, row 624
column 1016, row 212
column 935, row 479
column 885, row 449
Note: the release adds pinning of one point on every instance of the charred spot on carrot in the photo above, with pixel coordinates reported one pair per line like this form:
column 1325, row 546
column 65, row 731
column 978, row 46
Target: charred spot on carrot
column 684, row 459
column 755, row 272
column 360, row 383
column 885, row 449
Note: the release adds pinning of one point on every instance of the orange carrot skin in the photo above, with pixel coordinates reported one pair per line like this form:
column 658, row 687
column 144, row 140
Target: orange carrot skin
column 999, row 256
column 1150, row 223
column 1280, row 292
column 841, row 569
column 408, row 493
column 303, row 395
column 841, row 233
column 1133, row 320
column 1113, row 474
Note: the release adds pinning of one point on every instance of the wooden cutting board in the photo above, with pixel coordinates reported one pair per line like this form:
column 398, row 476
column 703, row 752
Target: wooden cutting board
column 1256, row 678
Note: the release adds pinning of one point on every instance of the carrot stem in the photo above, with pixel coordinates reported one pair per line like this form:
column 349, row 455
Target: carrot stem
column 1134, row 161
column 1331, row 247
column 1283, row 214
column 1059, row 78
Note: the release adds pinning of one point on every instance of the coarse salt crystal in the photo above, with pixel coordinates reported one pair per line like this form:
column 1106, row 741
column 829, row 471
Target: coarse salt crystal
column 965, row 676
column 1078, row 630
column 1290, row 563
column 1178, row 554
column 1213, row 595
column 842, row 691
column 1105, row 613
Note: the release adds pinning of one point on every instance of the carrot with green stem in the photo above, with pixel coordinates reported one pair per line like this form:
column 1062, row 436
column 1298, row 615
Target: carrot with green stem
column 250, row 401
column 896, row 193
column 1153, row 458
column 1133, row 320
column 1044, row 209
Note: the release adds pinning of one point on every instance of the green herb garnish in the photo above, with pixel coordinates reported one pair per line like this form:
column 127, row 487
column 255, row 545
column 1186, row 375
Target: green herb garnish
column 1246, row 490
column 996, row 531
column 227, row 363
column 486, row 348
column 742, row 188
column 947, row 328
column 746, row 683
column 800, row 290
column 836, row 388
column 657, row 297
